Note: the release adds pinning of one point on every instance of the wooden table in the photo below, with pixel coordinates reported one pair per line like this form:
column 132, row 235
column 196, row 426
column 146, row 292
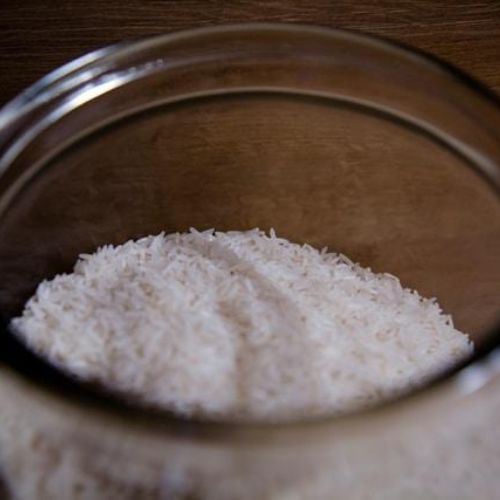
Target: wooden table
column 36, row 37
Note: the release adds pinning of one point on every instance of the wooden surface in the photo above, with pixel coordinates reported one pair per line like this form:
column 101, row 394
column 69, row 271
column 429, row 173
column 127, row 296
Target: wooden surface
column 37, row 36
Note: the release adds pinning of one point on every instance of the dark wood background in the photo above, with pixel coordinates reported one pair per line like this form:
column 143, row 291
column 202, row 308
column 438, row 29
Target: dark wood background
column 37, row 36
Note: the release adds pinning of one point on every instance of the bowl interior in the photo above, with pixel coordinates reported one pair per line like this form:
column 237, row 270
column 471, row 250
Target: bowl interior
column 317, row 170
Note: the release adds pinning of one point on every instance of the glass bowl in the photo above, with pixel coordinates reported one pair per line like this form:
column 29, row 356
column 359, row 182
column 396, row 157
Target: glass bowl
column 330, row 137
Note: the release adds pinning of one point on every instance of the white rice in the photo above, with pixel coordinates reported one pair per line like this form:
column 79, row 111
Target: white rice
column 239, row 325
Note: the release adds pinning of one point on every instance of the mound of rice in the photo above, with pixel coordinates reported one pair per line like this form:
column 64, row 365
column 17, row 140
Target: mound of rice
column 239, row 325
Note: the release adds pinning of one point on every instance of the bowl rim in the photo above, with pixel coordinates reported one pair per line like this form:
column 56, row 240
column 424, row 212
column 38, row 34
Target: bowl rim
column 23, row 365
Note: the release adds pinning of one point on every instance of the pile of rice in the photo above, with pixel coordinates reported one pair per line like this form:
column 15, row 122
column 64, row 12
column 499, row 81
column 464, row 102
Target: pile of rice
column 239, row 325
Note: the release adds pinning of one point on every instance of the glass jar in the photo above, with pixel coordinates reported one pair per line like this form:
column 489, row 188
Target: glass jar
column 330, row 137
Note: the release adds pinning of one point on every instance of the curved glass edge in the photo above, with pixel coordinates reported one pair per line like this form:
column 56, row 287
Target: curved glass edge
column 63, row 78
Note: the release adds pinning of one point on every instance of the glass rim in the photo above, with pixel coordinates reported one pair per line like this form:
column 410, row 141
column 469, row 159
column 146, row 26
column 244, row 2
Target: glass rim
column 23, row 364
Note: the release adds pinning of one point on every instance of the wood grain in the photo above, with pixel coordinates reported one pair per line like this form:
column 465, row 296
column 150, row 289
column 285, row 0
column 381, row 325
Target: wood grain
column 36, row 36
